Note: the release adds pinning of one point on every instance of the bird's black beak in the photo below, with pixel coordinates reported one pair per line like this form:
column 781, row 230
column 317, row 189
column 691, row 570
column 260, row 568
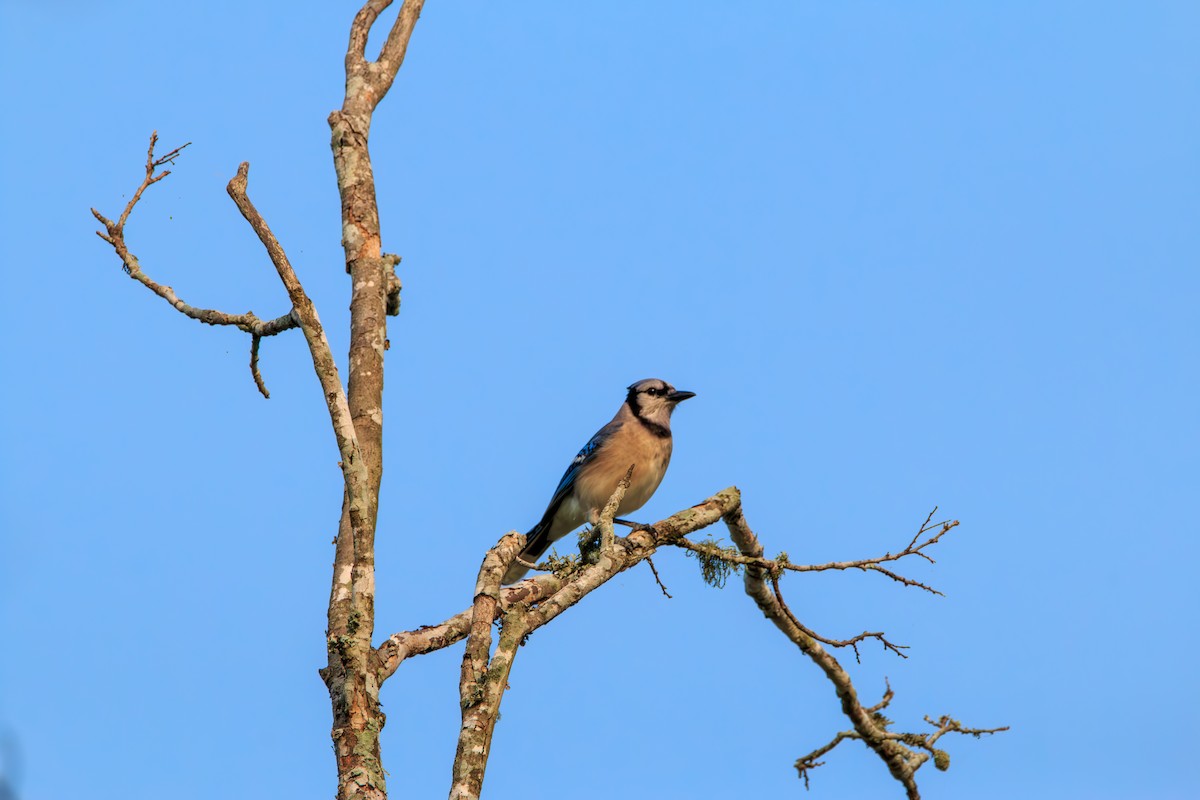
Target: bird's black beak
column 679, row 397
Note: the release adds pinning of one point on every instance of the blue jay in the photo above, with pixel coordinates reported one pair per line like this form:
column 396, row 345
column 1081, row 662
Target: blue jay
column 639, row 435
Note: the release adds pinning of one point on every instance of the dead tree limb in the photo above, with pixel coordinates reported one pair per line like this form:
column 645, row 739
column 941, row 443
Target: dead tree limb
column 484, row 676
column 529, row 605
column 730, row 559
column 352, row 673
column 114, row 234
column 870, row 726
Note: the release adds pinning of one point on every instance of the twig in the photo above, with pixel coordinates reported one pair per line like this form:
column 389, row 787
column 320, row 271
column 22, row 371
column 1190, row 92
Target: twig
column 945, row 724
column 892, row 754
column 713, row 551
column 887, row 698
column 169, row 158
column 151, row 178
column 924, row 741
column 657, row 579
column 925, row 526
column 114, row 234
column 851, row 642
column 809, row 762
column 525, row 563
column 258, row 379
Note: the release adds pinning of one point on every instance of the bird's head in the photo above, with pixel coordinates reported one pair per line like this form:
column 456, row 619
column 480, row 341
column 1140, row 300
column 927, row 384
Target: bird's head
column 654, row 400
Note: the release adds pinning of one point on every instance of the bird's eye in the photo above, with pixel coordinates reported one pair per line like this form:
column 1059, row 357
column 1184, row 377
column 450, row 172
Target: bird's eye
column 654, row 392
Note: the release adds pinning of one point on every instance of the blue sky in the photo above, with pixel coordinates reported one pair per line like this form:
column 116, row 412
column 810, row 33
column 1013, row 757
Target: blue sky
column 906, row 255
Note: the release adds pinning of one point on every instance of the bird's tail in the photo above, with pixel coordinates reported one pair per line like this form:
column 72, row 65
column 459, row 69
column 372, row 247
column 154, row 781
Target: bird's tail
column 537, row 542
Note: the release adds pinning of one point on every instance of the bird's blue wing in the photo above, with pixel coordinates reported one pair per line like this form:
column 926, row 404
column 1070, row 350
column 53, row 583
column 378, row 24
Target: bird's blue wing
column 585, row 454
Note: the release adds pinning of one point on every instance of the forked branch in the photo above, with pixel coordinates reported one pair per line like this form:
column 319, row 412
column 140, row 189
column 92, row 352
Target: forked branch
column 527, row 606
column 920, row 741
column 552, row 593
column 114, row 234
column 870, row 726
column 484, row 675
column 380, row 74
column 734, row 560
column 851, row 642
column 484, row 680
column 305, row 314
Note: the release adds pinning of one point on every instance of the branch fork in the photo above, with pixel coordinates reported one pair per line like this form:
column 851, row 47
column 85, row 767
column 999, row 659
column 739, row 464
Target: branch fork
column 114, row 234
column 523, row 608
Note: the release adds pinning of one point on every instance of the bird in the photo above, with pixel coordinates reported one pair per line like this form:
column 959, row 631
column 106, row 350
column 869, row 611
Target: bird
column 638, row 436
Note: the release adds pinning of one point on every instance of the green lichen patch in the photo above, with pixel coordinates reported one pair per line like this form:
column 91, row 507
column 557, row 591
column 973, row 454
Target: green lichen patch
column 715, row 566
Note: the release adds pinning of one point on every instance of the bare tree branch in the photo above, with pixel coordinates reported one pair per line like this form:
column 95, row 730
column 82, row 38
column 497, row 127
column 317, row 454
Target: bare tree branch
column 945, row 724
column 539, row 600
column 430, row 638
column 870, row 726
column 348, row 640
column 353, row 672
column 712, row 550
column 809, row 762
column 391, row 56
column 536, row 591
column 351, row 676
column 114, row 234
column 630, row 550
column 314, row 333
column 483, row 679
column 892, row 754
column 658, row 580
column 924, row 741
column 851, row 642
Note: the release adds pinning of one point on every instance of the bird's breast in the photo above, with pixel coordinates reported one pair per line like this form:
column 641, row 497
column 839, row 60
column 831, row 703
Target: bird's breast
column 649, row 457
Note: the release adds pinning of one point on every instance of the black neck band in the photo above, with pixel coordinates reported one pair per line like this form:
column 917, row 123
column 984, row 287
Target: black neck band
column 661, row 431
